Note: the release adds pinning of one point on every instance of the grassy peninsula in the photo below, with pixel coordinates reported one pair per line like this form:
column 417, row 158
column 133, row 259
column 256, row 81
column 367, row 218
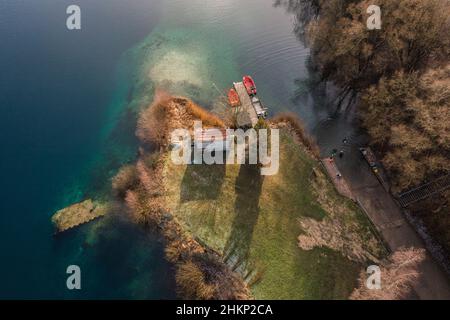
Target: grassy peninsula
column 232, row 233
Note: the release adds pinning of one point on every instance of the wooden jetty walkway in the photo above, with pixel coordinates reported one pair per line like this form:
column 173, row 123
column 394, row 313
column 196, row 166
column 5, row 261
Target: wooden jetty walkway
column 337, row 178
column 424, row 191
column 248, row 116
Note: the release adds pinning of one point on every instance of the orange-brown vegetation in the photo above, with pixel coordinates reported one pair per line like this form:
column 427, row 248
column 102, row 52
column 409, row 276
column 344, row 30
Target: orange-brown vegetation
column 208, row 118
column 154, row 126
column 413, row 34
column 152, row 123
column 399, row 77
column 401, row 73
column 147, row 180
column 204, row 277
column 408, row 118
column 192, row 283
column 398, row 277
column 137, row 210
column 200, row 274
column 124, row 180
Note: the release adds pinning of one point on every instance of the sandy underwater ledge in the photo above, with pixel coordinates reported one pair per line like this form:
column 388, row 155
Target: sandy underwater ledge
column 78, row 213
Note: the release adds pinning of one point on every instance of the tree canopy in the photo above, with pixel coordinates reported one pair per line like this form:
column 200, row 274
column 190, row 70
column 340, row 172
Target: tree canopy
column 413, row 33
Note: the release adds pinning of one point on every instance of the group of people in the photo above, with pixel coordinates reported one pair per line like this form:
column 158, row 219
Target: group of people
column 334, row 152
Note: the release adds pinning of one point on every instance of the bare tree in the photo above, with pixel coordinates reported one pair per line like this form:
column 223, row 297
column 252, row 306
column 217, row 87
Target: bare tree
column 398, row 277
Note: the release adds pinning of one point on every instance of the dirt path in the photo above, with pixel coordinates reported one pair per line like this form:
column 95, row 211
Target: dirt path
column 334, row 174
column 397, row 232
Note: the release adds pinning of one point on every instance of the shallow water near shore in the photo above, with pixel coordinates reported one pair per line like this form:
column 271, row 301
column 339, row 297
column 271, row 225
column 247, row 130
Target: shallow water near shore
column 67, row 102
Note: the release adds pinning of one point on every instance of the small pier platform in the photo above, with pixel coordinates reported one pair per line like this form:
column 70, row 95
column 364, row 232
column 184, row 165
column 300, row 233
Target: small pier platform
column 77, row 214
column 338, row 181
column 248, row 117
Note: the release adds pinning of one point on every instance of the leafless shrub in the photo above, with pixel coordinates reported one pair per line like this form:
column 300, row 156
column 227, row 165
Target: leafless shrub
column 407, row 119
column 124, row 180
column 135, row 207
column 151, row 160
column 192, row 283
column 152, row 122
column 398, row 277
column 145, row 177
column 208, row 118
column 174, row 251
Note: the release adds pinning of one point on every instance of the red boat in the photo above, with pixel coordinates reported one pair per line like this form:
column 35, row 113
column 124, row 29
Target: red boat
column 250, row 85
column 233, row 98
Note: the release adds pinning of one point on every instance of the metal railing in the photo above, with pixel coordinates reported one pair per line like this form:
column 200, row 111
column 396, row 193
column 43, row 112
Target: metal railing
column 424, row 191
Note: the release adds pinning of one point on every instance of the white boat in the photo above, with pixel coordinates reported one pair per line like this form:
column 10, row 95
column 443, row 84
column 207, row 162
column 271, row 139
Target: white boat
column 261, row 112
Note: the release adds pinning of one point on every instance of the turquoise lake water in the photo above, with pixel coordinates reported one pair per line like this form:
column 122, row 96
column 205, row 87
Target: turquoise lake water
column 66, row 123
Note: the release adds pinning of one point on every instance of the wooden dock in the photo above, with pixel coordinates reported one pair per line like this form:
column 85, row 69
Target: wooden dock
column 338, row 181
column 248, row 116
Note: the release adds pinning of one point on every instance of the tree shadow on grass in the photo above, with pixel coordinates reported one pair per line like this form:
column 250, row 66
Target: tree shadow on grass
column 248, row 190
column 202, row 182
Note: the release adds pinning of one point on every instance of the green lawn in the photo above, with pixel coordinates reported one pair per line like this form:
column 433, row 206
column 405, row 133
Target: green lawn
column 253, row 221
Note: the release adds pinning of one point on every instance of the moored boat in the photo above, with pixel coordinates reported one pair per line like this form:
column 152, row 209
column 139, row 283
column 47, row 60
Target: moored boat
column 233, row 98
column 249, row 85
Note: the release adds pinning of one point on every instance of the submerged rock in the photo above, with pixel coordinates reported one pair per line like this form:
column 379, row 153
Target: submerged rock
column 77, row 214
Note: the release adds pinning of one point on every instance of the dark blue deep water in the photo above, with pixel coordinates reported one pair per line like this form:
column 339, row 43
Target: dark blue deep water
column 58, row 93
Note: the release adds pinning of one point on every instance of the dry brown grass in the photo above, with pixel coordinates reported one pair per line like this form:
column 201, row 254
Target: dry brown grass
column 152, row 121
column 208, row 118
column 191, row 282
column 174, row 251
column 145, row 177
column 166, row 113
column 135, row 206
column 397, row 277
